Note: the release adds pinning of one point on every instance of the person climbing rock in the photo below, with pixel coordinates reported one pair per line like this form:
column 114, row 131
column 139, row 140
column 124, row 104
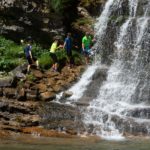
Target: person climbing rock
column 30, row 58
column 54, row 47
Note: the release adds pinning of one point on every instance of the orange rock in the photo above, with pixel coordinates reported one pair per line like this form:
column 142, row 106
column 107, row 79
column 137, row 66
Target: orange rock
column 44, row 132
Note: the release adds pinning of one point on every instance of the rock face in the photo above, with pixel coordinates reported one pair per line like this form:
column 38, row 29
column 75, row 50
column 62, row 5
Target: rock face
column 62, row 117
column 24, row 104
column 20, row 18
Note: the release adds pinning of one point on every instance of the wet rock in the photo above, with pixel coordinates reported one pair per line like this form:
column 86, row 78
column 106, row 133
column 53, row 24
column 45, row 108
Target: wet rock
column 28, row 120
column 62, row 117
column 82, row 103
column 23, row 110
column 11, row 127
column 44, row 132
column 130, row 126
column 67, row 94
column 97, row 79
column 47, row 96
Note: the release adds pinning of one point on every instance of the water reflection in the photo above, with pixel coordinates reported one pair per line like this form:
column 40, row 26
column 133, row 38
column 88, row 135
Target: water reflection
column 86, row 143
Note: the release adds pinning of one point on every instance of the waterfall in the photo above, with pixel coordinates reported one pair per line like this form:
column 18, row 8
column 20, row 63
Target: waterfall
column 122, row 104
column 117, row 96
column 133, row 7
column 125, row 28
column 102, row 22
column 79, row 88
column 100, row 27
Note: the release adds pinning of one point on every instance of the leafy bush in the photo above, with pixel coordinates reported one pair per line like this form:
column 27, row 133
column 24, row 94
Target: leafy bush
column 78, row 58
column 45, row 61
column 59, row 5
column 11, row 55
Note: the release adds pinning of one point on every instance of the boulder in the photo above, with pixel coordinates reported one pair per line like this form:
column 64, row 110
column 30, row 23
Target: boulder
column 9, row 92
column 67, row 94
column 7, row 81
column 21, row 94
column 47, row 96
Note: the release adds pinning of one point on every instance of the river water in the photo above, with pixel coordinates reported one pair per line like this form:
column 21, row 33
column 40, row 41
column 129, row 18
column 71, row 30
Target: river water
column 84, row 143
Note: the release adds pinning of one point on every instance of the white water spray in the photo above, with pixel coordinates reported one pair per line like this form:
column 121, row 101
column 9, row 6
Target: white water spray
column 79, row 88
column 116, row 106
column 116, row 95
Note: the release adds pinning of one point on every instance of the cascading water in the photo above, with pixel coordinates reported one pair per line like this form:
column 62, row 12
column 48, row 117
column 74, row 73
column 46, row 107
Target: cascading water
column 122, row 103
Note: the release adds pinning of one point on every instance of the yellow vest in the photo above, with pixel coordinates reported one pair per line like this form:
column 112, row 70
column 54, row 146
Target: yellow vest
column 53, row 47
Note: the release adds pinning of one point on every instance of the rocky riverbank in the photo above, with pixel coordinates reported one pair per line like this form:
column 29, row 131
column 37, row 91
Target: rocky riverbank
column 26, row 99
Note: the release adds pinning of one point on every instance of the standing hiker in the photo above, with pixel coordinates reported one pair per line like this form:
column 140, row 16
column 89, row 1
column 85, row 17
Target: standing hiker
column 86, row 46
column 68, row 47
column 30, row 58
column 53, row 49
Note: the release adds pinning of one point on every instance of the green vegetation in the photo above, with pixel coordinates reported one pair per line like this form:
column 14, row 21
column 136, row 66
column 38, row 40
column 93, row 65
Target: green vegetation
column 30, row 77
column 59, row 5
column 12, row 55
column 87, row 3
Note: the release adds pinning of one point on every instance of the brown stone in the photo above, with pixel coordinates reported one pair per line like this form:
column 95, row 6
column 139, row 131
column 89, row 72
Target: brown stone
column 67, row 94
column 57, row 88
column 22, row 113
column 9, row 92
column 61, row 82
column 50, row 74
column 29, row 120
column 41, row 87
column 38, row 74
column 32, row 95
column 44, row 132
column 21, row 94
column 27, row 85
column 70, row 79
column 47, row 96
column 50, row 89
column 1, row 91
column 50, row 82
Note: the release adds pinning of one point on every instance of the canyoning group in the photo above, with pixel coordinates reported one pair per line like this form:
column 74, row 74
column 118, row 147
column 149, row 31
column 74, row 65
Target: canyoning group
column 68, row 44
